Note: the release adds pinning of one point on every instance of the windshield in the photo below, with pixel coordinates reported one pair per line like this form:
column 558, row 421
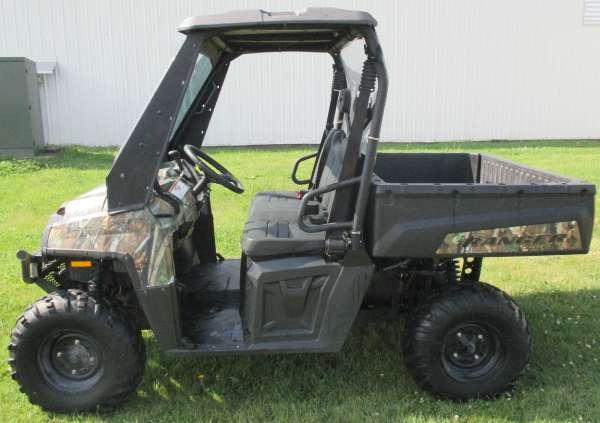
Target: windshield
column 200, row 73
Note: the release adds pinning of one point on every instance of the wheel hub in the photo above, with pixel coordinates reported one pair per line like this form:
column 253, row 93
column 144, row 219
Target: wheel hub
column 74, row 356
column 470, row 351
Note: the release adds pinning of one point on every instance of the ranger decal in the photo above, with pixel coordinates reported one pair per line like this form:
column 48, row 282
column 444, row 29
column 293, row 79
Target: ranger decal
column 546, row 237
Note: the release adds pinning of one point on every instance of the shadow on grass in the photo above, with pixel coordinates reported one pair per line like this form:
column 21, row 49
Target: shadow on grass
column 369, row 376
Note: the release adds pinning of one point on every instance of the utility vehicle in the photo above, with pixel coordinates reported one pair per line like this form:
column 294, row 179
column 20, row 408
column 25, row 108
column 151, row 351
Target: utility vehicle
column 392, row 232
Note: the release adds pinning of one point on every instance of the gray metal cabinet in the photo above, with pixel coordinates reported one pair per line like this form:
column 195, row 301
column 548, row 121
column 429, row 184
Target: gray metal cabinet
column 20, row 112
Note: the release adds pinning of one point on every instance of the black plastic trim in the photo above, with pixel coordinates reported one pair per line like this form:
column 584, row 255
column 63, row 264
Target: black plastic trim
column 297, row 164
column 311, row 227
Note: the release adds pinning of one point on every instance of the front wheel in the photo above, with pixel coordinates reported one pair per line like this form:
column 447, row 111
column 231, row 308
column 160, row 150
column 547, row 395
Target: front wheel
column 471, row 341
column 71, row 352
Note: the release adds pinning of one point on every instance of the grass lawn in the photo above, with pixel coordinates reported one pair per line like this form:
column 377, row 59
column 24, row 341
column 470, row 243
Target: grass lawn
column 367, row 380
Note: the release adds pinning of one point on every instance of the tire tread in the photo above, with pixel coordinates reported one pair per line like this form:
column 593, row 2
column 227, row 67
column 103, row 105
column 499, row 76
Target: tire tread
column 74, row 301
column 421, row 325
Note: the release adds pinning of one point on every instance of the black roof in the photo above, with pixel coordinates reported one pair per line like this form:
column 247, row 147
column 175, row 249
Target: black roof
column 317, row 29
column 322, row 16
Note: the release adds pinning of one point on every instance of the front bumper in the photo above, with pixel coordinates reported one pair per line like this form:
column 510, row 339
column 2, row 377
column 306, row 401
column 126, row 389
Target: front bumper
column 31, row 266
column 34, row 269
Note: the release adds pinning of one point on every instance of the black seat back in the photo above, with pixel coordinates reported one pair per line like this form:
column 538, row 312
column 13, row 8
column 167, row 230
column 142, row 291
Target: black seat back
column 334, row 149
column 342, row 114
column 333, row 165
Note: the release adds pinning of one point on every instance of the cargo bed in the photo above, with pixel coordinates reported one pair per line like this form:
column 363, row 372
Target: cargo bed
column 454, row 204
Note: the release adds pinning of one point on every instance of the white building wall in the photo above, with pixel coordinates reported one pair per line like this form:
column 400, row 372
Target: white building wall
column 461, row 69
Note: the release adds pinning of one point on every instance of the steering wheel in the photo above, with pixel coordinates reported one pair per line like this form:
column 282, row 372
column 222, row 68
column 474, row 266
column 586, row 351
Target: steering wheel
column 212, row 169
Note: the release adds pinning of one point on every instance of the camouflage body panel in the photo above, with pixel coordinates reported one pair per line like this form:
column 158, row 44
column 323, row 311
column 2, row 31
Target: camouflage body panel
column 540, row 238
column 146, row 235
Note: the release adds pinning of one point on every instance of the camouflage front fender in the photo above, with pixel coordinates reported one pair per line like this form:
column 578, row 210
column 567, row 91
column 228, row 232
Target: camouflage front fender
column 84, row 226
column 158, row 304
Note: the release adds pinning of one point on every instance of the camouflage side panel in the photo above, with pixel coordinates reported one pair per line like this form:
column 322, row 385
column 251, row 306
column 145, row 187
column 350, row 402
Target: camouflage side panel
column 540, row 238
column 128, row 233
column 146, row 234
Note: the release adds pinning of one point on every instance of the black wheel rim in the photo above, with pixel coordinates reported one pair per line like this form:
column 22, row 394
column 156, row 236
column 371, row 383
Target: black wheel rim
column 70, row 360
column 472, row 351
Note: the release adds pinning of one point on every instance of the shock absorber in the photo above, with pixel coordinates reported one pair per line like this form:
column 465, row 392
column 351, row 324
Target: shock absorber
column 368, row 77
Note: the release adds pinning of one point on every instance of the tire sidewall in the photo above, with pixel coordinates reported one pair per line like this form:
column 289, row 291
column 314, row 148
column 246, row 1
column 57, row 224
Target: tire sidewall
column 424, row 342
column 512, row 354
column 119, row 357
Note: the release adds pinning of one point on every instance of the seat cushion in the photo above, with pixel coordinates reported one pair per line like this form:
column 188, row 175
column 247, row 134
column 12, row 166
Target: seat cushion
column 272, row 228
column 268, row 238
column 275, row 205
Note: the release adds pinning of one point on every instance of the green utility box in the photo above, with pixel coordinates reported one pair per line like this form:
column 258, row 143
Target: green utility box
column 21, row 130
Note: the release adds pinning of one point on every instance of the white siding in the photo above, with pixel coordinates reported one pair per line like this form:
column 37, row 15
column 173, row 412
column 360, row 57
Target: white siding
column 592, row 12
column 462, row 69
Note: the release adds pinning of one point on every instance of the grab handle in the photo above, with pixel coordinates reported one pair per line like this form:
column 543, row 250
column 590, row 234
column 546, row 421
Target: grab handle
column 295, row 169
column 320, row 227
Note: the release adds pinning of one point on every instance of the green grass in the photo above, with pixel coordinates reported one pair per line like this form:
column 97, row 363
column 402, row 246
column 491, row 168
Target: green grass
column 367, row 380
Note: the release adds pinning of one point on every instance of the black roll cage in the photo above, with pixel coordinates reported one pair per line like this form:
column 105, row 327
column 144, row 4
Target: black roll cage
column 131, row 178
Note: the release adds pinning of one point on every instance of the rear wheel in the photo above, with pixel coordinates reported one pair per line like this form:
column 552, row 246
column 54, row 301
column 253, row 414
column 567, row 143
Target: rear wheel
column 470, row 341
column 70, row 352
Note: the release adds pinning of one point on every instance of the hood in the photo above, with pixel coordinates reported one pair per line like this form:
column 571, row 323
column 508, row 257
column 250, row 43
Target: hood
column 91, row 202
column 83, row 225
